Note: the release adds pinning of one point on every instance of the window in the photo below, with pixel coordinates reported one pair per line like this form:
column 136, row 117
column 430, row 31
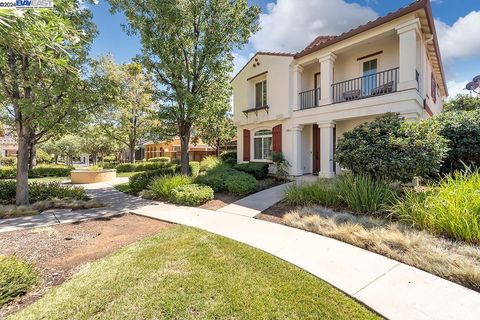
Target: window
column 261, row 94
column 369, row 80
column 262, row 145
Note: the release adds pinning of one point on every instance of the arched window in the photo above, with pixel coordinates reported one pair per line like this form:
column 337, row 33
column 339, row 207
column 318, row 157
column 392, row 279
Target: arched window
column 262, row 145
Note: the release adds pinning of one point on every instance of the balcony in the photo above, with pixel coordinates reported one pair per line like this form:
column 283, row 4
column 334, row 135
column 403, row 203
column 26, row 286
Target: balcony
column 376, row 84
column 309, row 99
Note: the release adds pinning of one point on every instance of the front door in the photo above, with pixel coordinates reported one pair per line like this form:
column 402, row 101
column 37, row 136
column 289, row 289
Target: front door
column 316, row 149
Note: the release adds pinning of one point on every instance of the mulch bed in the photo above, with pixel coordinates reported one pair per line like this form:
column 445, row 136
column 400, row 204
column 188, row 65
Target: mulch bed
column 60, row 251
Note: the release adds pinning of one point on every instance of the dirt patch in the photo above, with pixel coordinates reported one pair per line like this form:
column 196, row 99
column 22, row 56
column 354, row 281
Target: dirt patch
column 60, row 251
column 279, row 210
column 220, row 200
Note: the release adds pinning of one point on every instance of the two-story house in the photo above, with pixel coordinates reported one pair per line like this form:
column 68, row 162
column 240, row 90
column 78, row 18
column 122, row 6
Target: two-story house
column 301, row 103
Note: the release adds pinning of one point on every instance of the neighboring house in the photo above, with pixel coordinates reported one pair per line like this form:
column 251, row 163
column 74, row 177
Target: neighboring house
column 301, row 103
column 196, row 151
column 8, row 146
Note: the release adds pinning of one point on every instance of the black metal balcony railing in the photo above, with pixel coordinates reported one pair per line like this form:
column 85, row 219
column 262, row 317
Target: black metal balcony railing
column 309, row 99
column 376, row 84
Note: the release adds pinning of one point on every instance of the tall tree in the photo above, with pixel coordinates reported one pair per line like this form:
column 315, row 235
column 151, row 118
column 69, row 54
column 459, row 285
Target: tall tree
column 128, row 118
column 42, row 52
column 188, row 46
column 96, row 143
column 463, row 102
column 216, row 129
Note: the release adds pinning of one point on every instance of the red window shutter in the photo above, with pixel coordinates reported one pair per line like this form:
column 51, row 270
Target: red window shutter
column 246, row 145
column 277, row 138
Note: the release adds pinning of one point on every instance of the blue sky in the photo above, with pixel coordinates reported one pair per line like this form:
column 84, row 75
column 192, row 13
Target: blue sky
column 456, row 21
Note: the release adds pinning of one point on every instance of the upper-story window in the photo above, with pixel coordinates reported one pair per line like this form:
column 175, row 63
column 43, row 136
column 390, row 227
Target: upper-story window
column 261, row 94
column 369, row 80
column 262, row 145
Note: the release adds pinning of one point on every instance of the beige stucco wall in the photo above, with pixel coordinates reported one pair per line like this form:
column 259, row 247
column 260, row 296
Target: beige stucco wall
column 278, row 78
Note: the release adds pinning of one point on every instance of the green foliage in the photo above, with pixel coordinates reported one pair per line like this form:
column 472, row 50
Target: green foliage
column 462, row 130
column 392, row 149
column 17, row 277
column 216, row 177
column 281, row 166
column 204, row 34
column 191, row 195
column 322, row 192
column 209, row 163
column 462, row 102
column 229, row 157
column 41, row 191
column 124, row 187
column 162, row 187
column 42, row 156
column 258, row 170
column 194, row 168
column 8, row 161
column 216, row 126
column 364, row 194
column 140, row 181
column 40, row 171
column 142, row 166
column 240, row 183
column 450, row 207
column 109, row 159
column 159, row 159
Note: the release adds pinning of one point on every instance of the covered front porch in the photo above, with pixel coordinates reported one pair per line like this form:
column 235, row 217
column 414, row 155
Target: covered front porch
column 314, row 146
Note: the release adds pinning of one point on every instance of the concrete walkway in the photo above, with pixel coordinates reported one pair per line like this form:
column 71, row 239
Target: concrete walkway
column 389, row 287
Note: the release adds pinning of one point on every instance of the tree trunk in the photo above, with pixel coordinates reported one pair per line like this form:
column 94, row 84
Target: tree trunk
column 23, row 154
column 217, row 147
column 132, row 153
column 184, row 140
column 32, row 160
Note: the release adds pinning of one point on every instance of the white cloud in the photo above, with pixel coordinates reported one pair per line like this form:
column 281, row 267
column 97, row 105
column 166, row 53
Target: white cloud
column 289, row 25
column 460, row 40
column 456, row 87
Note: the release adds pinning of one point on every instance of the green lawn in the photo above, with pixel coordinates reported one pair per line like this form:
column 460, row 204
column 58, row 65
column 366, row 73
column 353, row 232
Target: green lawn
column 49, row 179
column 185, row 273
column 127, row 174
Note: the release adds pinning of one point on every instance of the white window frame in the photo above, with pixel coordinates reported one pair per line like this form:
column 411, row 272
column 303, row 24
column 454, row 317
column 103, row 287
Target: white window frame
column 263, row 159
column 264, row 95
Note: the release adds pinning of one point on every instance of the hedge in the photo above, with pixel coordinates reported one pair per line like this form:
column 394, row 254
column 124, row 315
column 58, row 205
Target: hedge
column 41, row 191
column 241, row 183
column 8, row 161
column 191, row 195
column 159, row 159
column 258, row 170
column 40, row 171
column 140, row 181
column 229, row 157
column 194, row 168
column 141, row 166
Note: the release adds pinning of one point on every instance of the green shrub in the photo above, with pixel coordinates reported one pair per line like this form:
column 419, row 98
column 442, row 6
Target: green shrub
column 140, row 181
column 42, row 156
column 43, row 191
column 281, row 166
column 159, row 159
column 194, row 168
column 258, row 170
column 162, row 187
column 450, row 207
column 141, row 166
column 241, row 183
column 364, row 194
column 392, row 149
column 215, row 178
column 208, row 163
column 8, row 172
column 462, row 130
column 17, row 277
column 109, row 159
column 191, row 195
column 229, row 157
column 50, row 170
column 7, row 191
column 322, row 192
column 8, row 161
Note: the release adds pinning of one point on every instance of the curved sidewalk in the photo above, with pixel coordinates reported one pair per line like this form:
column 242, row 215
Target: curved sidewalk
column 393, row 289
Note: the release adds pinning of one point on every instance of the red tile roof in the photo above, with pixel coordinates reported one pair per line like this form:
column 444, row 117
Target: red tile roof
column 316, row 42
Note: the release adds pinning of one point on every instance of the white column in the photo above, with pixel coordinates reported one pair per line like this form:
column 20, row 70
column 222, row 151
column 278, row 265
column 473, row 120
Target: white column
column 326, row 149
column 326, row 78
column 407, row 33
column 297, row 85
column 297, row 151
